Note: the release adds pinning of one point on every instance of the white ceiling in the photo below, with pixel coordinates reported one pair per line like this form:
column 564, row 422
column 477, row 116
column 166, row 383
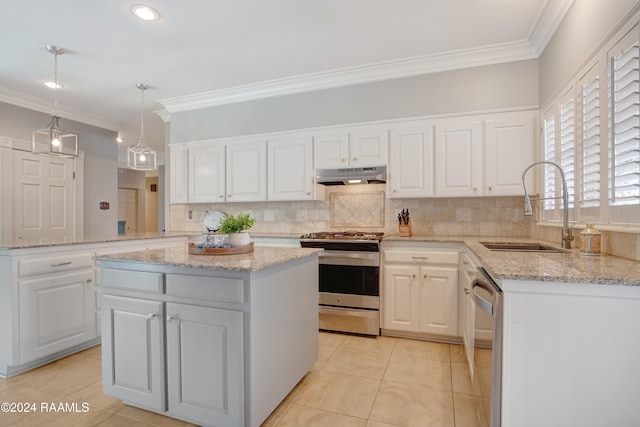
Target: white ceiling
column 208, row 52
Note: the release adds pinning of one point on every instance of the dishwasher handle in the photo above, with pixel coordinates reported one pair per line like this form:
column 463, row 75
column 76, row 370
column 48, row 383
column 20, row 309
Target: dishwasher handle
column 484, row 282
column 481, row 302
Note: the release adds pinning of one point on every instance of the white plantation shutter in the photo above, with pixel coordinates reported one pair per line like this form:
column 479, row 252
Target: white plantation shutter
column 549, row 177
column 624, row 150
column 590, row 143
column 567, row 149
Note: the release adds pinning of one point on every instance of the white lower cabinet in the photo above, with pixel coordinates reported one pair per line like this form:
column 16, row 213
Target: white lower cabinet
column 420, row 290
column 56, row 312
column 134, row 342
column 205, row 364
column 204, row 359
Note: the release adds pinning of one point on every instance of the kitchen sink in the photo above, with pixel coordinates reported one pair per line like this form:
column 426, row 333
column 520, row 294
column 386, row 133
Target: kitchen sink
column 520, row 247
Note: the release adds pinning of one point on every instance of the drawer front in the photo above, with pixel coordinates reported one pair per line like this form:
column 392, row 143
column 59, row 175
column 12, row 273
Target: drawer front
column 421, row 257
column 133, row 280
column 54, row 264
column 209, row 288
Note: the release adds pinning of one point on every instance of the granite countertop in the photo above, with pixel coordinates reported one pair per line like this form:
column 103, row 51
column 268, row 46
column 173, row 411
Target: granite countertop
column 51, row 241
column 568, row 267
column 260, row 259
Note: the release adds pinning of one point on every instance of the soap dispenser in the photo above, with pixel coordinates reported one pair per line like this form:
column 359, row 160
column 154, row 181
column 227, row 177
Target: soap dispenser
column 590, row 241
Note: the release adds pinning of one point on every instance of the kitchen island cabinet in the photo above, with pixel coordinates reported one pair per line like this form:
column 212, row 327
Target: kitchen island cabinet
column 213, row 340
column 50, row 298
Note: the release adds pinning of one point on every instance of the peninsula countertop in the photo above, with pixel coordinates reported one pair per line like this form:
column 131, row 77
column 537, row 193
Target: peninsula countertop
column 62, row 241
column 261, row 258
column 568, row 266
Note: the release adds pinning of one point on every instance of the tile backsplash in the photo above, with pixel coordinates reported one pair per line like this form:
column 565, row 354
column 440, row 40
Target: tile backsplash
column 366, row 208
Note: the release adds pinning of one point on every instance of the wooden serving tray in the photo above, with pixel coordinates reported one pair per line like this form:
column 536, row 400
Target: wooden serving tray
column 220, row 251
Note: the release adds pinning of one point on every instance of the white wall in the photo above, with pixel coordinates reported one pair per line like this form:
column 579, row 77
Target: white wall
column 100, row 166
column 494, row 87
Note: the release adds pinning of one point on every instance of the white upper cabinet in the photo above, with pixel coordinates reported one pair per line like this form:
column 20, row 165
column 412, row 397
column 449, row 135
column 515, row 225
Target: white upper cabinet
column 355, row 149
column 290, row 169
column 411, row 161
column 246, row 172
column 509, row 142
column 178, row 173
column 459, row 165
column 206, row 173
column 368, row 148
column 331, row 151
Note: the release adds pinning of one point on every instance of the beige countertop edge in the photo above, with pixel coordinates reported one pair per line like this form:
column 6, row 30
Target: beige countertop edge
column 262, row 258
column 568, row 267
column 40, row 243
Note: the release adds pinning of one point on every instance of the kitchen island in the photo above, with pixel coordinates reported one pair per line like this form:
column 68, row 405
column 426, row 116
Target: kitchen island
column 213, row 340
column 49, row 295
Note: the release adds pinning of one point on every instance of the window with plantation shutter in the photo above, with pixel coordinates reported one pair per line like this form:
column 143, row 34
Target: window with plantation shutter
column 624, row 139
column 589, row 119
column 592, row 131
column 567, row 148
column 549, row 177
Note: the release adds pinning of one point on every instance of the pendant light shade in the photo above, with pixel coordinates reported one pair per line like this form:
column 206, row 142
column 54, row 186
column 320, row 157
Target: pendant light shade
column 141, row 156
column 53, row 140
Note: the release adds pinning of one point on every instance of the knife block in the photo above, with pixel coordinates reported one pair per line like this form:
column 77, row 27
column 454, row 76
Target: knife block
column 405, row 229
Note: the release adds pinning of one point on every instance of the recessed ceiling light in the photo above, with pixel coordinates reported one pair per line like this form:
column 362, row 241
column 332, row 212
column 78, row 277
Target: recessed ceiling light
column 52, row 85
column 145, row 13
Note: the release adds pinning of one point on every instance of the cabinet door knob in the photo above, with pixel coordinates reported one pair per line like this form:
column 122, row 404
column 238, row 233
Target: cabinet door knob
column 170, row 318
column 89, row 280
column 467, row 291
column 151, row 316
column 308, row 193
column 475, row 188
column 221, row 196
column 354, row 159
column 490, row 188
column 343, row 160
column 413, row 276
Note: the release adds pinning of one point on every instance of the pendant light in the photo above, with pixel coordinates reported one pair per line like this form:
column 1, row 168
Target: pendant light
column 53, row 140
column 141, row 156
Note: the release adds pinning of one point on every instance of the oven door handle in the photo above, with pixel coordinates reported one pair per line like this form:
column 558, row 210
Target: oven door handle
column 367, row 259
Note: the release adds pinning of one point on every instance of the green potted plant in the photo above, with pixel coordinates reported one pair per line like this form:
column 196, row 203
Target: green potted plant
column 236, row 227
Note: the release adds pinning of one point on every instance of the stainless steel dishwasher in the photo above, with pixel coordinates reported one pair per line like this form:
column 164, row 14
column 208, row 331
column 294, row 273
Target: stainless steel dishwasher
column 492, row 305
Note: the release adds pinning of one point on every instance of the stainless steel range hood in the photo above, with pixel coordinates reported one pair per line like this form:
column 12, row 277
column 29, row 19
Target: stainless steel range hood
column 370, row 175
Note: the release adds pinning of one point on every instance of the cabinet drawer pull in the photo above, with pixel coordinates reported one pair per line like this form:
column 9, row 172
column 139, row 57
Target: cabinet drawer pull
column 60, row 264
column 467, row 291
column 419, row 257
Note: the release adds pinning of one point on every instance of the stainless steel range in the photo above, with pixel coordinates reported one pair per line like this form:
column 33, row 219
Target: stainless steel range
column 349, row 280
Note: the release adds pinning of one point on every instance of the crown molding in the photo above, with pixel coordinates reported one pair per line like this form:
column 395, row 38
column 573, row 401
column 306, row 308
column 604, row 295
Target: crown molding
column 543, row 29
column 44, row 106
column 408, row 67
column 550, row 18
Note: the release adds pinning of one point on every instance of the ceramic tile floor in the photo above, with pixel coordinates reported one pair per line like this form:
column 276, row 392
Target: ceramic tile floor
column 357, row 381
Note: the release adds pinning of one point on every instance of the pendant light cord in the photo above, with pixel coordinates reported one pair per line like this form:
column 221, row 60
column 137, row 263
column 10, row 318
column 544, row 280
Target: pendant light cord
column 55, row 83
column 142, row 88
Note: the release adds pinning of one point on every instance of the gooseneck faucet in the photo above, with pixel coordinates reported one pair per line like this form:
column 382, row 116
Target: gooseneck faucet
column 567, row 235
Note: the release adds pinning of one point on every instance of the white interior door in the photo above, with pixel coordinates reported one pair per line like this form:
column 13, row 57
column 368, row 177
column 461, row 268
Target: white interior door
column 43, row 196
column 128, row 208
